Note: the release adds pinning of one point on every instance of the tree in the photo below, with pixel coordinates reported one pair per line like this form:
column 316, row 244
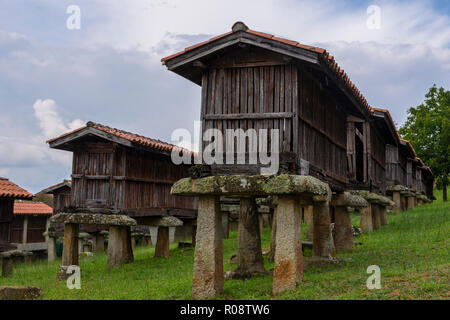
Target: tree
column 428, row 129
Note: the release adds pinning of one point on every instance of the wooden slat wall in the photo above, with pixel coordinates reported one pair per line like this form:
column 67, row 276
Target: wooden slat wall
column 377, row 173
column 6, row 217
column 154, row 177
column 251, row 90
column 322, row 129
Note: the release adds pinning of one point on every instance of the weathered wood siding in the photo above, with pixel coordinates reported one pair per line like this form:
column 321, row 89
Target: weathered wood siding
column 6, row 217
column 106, row 175
column 377, row 167
column 37, row 225
column 321, row 131
column 61, row 199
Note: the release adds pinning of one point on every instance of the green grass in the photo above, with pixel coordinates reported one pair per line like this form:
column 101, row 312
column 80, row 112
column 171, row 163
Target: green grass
column 412, row 252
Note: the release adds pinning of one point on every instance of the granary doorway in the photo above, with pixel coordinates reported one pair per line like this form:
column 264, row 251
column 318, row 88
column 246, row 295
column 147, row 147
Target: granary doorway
column 356, row 149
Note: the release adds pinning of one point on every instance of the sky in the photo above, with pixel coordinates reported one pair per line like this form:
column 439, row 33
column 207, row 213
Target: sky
column 54, row 78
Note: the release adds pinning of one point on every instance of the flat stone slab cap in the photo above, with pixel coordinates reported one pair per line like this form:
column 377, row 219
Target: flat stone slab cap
column 19, row 293
column 84, row 235
column 347, row 199
column 407, row 193
column 396, row 187
column 257, row 185
column 94, row 218
column 373, row 197
column 167, row 221
column 15, row 253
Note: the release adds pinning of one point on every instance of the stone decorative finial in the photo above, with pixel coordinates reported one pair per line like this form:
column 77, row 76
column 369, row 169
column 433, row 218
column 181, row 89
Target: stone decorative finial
column 239, row 26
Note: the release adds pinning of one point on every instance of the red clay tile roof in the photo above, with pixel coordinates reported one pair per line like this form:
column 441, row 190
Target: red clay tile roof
column 410, row 146
column 11, row 190
column 323, row 55
column 389, row 117
column 144, row 141
column 31, row 207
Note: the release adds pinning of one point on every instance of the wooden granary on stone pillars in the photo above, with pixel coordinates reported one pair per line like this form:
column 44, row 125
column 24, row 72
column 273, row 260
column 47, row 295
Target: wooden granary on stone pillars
column 326, row 128
column 120, row 179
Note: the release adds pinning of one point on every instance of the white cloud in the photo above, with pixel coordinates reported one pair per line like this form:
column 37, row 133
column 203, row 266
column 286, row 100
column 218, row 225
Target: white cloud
column 52, row 125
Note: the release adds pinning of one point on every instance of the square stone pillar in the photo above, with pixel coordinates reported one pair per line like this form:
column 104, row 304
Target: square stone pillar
column 288, row 269
column 366, row 220
column 226, row 224
column 397, row 201
column 343, row 239
column 376, row 219
column 99, row 242
column 308, row 216
column 194, row 235
column 323, row 245
column 119, row 246
column 208, row 276
column 51, row 249
column 410, row 203
column 70, row 249
column 133, row 241
column 383, row 215
column 249, row 254
column 162, row 243
column 260, row 223
column 70, row 245
column 273, row 235
column 7, row 266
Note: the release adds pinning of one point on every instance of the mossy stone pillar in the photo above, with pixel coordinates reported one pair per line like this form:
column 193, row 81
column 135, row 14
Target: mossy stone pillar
column 273, row 235
column 226, row 224
column 383, row 215
column 208, row 276
column 323, row 245
column 397, row 201
column 249, row 254
column 51, row 249
column 162, row 242
column 288, row 269
column 365, row 223
column 119, row 246
column 343, row 236
column 376, row 221
column 411, row 202
column 99, row 242
column 308, row 216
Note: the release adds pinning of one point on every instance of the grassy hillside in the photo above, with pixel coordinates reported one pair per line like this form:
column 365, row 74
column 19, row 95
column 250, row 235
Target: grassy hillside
column 412, row 251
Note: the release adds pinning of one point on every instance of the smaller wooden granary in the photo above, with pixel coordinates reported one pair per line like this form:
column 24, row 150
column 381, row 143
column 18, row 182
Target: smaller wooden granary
column 118, row 171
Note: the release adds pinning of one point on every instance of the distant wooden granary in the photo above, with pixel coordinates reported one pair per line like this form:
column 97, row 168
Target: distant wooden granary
column 118, row 171
column 256, row 80
column 29, row 224
column 61, row 195
column 8, row 193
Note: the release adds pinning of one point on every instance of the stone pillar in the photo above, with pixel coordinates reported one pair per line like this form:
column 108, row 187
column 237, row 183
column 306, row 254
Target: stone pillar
column 162, row 242
column 99, row 242
column 80, row 245
column 25, row 229
column 308, row 216
column 403, row 202
column 70, row 249
column 145, row 240
column 194, row 235
column 273, row 236
column 288, row 269
column 226, row 224
column 383, row 215
column 365, row 223
column 415, row 201
column 51, row 249
column 260, row 223
column 7, row 266
column 208, row 276
column 70, row 246
column 323, row 245
column 249, row 254
column 376, row 221
column 397, row 201
column 343, row 239
column 410, row 202
column 119, row 246
column 420, row 202
column 133, row 241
